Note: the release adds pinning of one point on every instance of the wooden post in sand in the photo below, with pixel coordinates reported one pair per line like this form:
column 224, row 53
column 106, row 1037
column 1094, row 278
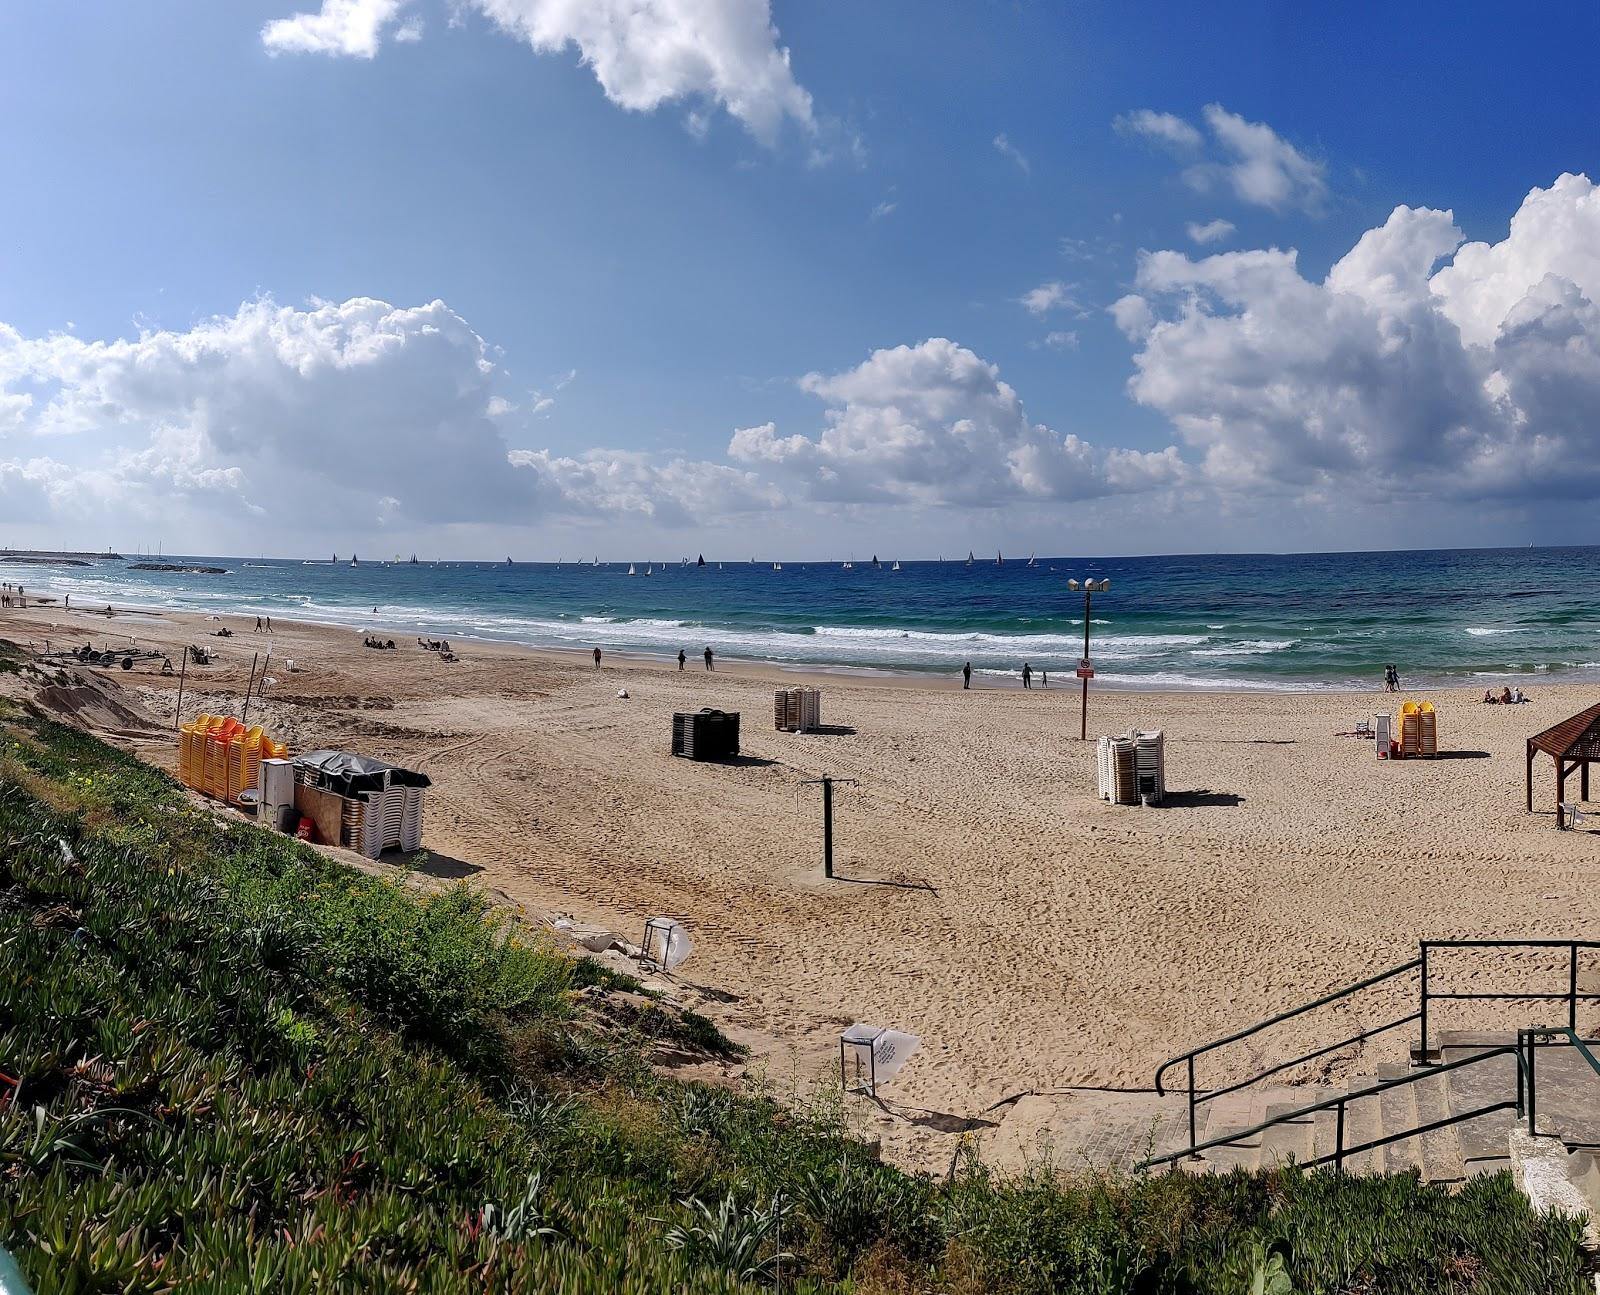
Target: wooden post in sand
column 1086, row 665
column 177, row 715
column 827, row 818
column 250, row 687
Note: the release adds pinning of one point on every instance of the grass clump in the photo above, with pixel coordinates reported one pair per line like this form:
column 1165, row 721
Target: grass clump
column 228, row 1064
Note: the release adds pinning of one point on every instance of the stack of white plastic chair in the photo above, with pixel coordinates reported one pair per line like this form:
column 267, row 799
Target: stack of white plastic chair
column 411, row 823
column 394, row 816
column 1151, row 765
column 1102, row 766
column 1118, row 769
column 810, row 709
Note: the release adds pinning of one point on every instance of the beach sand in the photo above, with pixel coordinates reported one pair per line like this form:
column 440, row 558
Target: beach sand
column 1033, row 936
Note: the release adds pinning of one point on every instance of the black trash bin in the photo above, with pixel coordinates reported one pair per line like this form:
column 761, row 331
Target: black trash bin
column 705, row 734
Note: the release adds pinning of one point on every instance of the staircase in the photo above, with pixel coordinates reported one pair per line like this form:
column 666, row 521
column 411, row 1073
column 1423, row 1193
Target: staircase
column 1446, row 1153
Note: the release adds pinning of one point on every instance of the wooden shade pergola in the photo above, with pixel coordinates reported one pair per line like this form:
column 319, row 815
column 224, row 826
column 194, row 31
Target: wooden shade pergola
column 1574, row 741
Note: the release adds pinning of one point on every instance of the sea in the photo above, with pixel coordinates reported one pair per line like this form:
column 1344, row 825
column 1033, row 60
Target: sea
column 1277, row 622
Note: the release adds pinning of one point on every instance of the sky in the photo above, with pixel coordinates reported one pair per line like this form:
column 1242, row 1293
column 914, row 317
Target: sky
column 650, row 278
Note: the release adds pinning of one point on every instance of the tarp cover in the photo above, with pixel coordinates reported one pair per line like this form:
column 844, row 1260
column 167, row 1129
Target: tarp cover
column 348, row 774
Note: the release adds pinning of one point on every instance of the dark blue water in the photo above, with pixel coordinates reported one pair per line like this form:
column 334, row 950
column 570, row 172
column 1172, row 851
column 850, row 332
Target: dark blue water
column 1296, row 621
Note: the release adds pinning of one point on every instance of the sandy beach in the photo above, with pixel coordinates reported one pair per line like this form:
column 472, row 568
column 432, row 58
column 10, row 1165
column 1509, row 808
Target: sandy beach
column 1033, row 936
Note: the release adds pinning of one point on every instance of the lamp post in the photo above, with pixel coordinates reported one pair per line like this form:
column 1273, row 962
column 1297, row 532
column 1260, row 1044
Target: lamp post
column 1085, row 667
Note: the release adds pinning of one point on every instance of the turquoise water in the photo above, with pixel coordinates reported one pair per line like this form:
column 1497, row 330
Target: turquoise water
column 1290, row 621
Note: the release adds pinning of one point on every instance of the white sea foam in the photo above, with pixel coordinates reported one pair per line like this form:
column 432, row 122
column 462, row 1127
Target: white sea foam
column 1247, row 647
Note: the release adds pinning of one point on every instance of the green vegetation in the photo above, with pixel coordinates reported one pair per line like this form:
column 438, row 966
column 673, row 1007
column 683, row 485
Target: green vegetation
column 231, row 1065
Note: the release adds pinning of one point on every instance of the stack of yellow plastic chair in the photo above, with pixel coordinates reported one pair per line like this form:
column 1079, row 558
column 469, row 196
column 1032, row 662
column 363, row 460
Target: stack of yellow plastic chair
column 1419, row 729
column 214, row 781
column 1428, row 721
column 219, row 756
column 244, row 762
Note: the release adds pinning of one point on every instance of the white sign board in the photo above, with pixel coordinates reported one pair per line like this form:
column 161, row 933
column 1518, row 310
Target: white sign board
column 666, row 943
column 889, row 1050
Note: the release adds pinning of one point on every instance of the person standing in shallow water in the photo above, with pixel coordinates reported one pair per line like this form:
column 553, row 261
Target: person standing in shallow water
column 709, row 666
column 682, row 657
column 966, row 675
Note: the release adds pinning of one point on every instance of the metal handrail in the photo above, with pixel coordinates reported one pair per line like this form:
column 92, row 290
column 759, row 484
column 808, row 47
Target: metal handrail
column 1339, row 1102
column 1421, row 1053
column 1283, row 1016
column 1531, row 1035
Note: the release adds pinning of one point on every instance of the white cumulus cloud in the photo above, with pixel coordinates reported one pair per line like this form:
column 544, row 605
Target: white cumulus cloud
column 1248, row 157
column 1213, row 231
column 644, row 53
column 345, row 413
column 933, row 424
column 1165, row 128
column 1054, row 295
column 1479, row 380
column 353, row 28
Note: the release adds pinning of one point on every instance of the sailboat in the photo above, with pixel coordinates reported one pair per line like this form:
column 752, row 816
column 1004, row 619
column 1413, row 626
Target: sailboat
column 649, row 571
column 998, row 560
column 969, row 557
column 876, row 565
column 849, row 565
column 413, row 560
column 702, row 561
column 895, row 567
column 1031, row 561
column 631, row 571
column 508, row 561
column 354, row 560
column 777, row 566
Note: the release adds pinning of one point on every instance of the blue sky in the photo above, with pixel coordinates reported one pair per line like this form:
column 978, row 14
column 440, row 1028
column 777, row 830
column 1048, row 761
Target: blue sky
column 642, row 245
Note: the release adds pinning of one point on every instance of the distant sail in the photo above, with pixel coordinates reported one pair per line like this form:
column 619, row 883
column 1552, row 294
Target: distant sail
column 875, row 563
column 1031, row 561
column 969, row 557
column 631, row 571
column 702, row 561
column 777, row 566
column 998, row 560
column 895, row 567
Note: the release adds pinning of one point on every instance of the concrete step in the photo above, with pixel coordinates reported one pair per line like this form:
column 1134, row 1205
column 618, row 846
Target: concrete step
column 1441, row 1148
column 1227, row 1115
column 1362, row 1123
column 1397, row 1109
column 1483, row 1140
column 1286, row 1142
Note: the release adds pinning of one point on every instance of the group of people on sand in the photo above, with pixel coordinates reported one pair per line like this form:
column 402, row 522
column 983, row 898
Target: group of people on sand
column 1027, row 675
column 381, row 645
column 683, row 658
column 268, row 625
column 12, row 595
column 1507, row 697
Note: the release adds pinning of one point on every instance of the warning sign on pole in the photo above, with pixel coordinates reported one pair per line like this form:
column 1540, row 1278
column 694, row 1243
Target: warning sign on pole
column 1085, row 668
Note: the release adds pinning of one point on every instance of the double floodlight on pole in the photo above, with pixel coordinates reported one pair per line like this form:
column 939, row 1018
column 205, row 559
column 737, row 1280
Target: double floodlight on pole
column 1086, row 665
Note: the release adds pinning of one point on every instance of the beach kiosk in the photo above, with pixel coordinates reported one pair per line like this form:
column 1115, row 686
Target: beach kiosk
column 1572, row 744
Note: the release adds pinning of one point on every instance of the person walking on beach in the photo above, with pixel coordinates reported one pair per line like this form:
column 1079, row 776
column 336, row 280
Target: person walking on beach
column 258, row 624
column 1027, row 675
column 709, row 666
column 1044, row 675
column 269, row 624
column 597, row 658
column 966, row 675
column 682, row 657
column 1391, row 679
